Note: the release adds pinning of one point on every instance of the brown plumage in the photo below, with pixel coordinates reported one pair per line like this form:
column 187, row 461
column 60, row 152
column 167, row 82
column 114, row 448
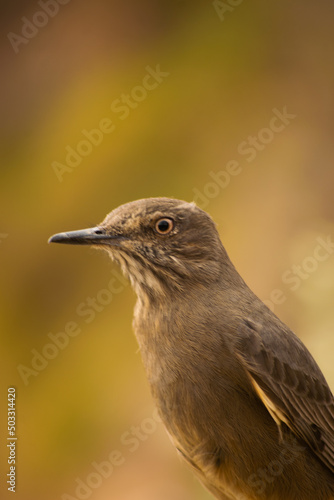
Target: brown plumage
column 241, row 397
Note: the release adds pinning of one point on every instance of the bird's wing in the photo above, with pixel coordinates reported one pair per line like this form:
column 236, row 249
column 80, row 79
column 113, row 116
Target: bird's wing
column 290, row 384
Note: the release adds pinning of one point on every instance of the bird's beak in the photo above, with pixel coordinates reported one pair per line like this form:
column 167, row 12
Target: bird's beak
column 91, row 236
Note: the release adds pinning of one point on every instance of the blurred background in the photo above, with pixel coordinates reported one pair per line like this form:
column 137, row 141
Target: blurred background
column 229, row 104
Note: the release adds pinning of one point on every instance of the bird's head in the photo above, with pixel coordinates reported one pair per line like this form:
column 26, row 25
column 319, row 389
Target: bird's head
column 160, row 243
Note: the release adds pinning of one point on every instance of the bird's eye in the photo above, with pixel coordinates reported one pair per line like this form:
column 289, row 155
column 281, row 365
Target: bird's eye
column 164, row 226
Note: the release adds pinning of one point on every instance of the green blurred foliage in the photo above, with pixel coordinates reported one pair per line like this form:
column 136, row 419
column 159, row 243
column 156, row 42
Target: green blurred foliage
column 225, row 77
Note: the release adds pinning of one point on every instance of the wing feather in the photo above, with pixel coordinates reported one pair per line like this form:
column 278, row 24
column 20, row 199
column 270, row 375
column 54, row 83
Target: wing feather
column 290, row 385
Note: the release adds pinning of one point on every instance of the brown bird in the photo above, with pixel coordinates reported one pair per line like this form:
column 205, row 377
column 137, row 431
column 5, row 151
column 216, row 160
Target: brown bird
column 241, row 397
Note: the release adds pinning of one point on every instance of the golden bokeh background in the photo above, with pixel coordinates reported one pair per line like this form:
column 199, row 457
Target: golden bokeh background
column 201, row 85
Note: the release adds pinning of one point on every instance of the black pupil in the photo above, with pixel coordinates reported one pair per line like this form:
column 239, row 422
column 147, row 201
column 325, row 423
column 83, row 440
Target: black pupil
column 163, row 225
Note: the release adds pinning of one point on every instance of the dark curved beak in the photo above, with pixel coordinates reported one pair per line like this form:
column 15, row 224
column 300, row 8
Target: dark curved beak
column 91, row 236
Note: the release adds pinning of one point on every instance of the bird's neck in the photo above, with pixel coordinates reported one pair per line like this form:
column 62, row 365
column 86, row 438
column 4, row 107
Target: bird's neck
column 171, row 330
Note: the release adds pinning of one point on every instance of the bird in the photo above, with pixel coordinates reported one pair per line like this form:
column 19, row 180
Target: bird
column 241, row 397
